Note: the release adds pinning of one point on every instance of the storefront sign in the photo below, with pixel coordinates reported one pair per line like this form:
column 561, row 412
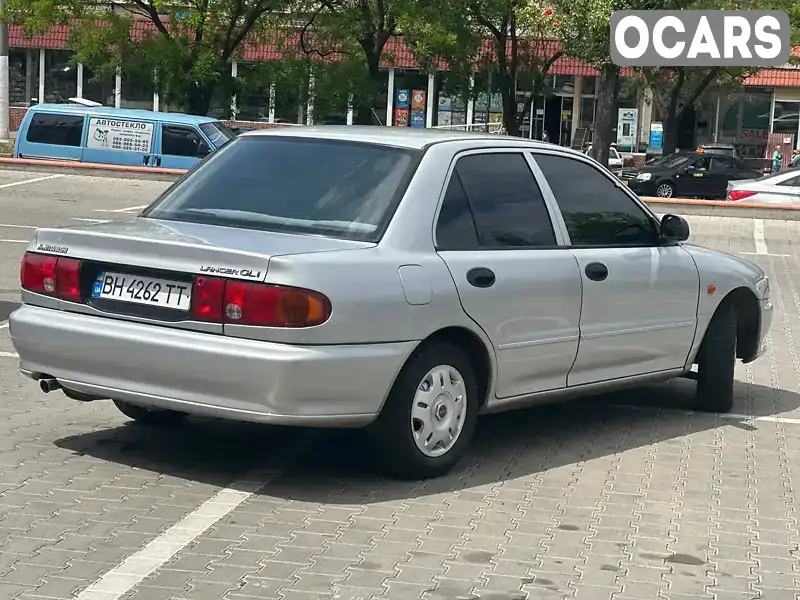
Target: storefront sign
column 402, row 99
column 656, row 136
column 119, row 134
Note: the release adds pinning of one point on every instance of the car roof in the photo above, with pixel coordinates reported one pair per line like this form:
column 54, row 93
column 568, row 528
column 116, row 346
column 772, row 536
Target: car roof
column 402, row 137
column 120, row 113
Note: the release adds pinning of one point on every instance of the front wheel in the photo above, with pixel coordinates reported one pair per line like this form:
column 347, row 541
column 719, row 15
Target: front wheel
column 149, row 416
column 716, row 362
column 428, row 420
column 665, row 190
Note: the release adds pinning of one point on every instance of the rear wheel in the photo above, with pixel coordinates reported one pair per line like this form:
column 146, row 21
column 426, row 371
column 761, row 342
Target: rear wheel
column 428, row 420
column 716, row 362
column 149, row 416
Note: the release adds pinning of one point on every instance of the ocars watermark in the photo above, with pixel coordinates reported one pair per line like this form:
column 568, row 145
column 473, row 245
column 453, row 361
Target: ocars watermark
column 700, row 38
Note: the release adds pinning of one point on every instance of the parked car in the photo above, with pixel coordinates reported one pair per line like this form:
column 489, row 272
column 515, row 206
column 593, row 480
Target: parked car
column 615, row 162
column 782, row 188
column 402, row 280
column 688, row 175
column 718, row 150
column 97, row 134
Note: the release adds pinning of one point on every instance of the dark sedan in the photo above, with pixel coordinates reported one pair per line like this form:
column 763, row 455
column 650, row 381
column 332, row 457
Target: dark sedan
column 687, row 175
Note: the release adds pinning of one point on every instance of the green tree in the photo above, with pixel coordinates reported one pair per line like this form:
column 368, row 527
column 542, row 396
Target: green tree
column 191, row 44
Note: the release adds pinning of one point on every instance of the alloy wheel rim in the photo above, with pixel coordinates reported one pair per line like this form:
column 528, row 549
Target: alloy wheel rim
column 664, row 191
column 439, row 410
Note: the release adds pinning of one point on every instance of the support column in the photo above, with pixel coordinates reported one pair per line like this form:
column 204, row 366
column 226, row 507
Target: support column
column 271, row 108
column 771, row 112
column 79, row 86
column 310, row 106
column 716, row 120
column 431, row 104
column 41, row 75
column 576, row 107
column 234, row 75
column 118, row 88
column 471, row 101
column 350, row 109
column 390, row 99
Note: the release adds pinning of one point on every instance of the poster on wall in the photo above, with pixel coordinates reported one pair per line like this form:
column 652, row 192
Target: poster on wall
column 444, row 118
column 120, row 134
column 656, row 137
column 417, row 117
column 445, row 104
column 401, row 117
column 418, row 99
column 626, row 129
column 402, row 99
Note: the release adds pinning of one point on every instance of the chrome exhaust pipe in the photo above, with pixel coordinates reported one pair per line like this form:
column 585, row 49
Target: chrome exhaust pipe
column 49, row 384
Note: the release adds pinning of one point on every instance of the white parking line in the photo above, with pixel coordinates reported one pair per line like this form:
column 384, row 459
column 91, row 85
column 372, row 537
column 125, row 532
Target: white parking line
column 8, row 355
column 758, row 236
column 14, row 241
column 17, row 226
column 4, row 325
column 34, row 180
column 90, row 220
column 120, row 580
column 121, row 210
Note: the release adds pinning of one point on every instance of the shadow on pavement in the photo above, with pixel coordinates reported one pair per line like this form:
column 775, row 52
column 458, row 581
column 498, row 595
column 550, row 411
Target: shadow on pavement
column 337, row 467
column 6, row 308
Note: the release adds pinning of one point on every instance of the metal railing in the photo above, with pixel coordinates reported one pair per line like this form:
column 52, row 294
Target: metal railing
column 480, row 127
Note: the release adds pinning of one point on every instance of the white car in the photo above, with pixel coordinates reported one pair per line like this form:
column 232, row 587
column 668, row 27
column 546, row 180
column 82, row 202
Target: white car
column 781, row 188
column 615, row 162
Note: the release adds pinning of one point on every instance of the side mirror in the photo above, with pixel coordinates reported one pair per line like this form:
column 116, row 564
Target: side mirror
column 691, row 169
column 674, row 228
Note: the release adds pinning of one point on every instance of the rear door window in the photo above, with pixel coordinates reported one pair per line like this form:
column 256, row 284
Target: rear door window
column 301, row 185
column 55, row 129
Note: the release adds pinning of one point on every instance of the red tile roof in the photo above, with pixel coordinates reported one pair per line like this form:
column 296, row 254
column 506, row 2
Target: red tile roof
column 396, row 54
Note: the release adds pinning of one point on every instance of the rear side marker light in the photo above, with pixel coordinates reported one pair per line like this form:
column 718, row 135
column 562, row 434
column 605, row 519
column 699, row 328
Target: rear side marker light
column 244, row 303
column 55, row 276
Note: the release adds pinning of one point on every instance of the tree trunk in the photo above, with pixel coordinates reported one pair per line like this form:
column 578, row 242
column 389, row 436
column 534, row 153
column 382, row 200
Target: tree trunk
column 606, row 116
column 364, row 99
column 670, row 143
column 508, row 93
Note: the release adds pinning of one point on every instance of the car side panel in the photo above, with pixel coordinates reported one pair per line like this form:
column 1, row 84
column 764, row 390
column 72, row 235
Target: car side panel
column 641, row 319
column 530, row 314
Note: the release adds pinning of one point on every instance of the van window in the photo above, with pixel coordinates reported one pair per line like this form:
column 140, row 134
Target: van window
column 183, row 141
column 55, row 130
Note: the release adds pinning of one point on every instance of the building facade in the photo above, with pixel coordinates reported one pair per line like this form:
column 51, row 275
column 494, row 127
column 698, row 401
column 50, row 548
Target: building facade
column 42, row 70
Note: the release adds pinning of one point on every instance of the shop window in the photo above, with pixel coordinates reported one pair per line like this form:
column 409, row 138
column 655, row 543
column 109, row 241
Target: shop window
column 97, row 86
column 61, row 77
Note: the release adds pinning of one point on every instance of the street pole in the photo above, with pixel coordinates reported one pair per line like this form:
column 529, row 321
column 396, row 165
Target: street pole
column 4, row 75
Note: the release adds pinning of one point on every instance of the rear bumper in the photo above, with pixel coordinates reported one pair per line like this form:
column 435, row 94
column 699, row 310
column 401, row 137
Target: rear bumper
column 207, row 374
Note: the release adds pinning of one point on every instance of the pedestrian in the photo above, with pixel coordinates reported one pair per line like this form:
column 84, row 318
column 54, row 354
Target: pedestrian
column 777, row 160
column 795, row 162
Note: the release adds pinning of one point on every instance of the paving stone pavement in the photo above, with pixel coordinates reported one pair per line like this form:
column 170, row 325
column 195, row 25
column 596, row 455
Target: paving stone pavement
column 626, row 496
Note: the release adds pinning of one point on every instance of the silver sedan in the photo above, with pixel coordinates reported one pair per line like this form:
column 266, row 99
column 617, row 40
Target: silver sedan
column 781, row 188
column 399, row 280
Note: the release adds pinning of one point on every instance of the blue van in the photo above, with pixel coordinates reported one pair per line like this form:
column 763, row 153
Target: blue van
column 114, row 136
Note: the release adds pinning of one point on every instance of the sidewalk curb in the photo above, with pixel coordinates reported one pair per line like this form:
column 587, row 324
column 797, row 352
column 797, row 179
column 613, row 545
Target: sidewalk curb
column 89, row 169
column 720, row 208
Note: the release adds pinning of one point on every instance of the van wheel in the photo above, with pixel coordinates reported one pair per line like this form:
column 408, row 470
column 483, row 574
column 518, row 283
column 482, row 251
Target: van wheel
column 716, row 362
column 149, row 416
column 428, row 420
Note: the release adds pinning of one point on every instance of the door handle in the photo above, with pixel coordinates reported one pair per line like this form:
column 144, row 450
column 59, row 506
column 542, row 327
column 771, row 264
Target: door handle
column 481, row 277
column 158, row 161
column 146, row 160
column 596, row 271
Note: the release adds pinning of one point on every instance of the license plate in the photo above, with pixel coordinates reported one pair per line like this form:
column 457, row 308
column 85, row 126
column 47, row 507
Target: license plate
column 142, row 290
column 624, row 182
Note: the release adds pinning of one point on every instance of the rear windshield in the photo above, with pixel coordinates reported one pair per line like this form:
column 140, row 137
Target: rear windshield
column 217, row 133
column 302, row 185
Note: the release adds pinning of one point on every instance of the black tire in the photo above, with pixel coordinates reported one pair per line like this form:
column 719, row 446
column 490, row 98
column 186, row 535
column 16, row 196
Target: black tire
column 147, row 416
column 716, row 362
column 391, row 434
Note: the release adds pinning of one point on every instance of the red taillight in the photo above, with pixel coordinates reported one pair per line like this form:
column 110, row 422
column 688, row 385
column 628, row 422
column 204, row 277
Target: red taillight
column 740, row 194
column 68, row 279
column 52, row 276
column 274, row 305
column 207, row 295
column 244, row 303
